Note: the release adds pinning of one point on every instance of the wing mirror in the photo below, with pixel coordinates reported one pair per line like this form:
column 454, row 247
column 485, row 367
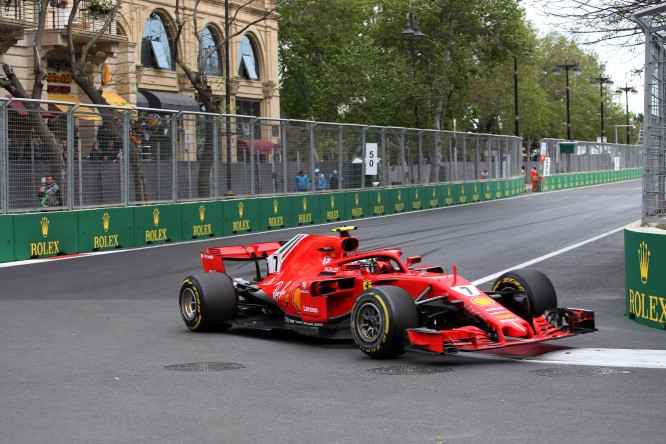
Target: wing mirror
column 413, row 260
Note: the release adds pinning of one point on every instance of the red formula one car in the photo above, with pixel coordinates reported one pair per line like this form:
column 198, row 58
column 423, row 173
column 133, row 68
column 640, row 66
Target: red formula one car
column 322, row 285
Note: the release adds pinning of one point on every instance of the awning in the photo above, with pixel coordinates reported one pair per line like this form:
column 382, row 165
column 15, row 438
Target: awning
column 114, row 99
column 141, row 100
column 260, row 146
column 169, row 101
column 82, row 112
column 23, row 111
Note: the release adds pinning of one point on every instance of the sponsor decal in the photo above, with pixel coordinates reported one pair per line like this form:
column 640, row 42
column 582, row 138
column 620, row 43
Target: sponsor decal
column 641, row 304
column 483, row 301
column 46, row 247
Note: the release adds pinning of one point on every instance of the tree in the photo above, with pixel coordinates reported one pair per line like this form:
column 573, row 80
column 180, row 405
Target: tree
column 190, row 22
column 597, row 20
column 82, row 68
column 12, row 84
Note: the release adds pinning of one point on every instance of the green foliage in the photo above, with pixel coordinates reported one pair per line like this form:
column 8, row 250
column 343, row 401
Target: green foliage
column 348, row 61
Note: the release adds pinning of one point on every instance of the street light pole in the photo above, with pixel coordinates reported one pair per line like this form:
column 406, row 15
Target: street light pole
column 227, row 95
column 515, row 97
column 626, row 89
column 566, row 66
column 413, row 32
column 601, row 80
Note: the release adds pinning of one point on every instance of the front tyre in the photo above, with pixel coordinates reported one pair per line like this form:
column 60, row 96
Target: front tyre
column 379, row 319
column 528, row 292
column 207, row 300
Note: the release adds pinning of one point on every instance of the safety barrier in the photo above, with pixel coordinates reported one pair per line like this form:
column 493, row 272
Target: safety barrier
column 55, row 233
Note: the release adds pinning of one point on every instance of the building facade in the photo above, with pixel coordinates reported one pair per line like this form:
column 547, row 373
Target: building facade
column 133, row 61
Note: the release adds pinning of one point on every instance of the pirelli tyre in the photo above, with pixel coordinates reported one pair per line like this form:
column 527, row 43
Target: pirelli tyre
column 208, row 300
column 528, row 292
column 379, row 319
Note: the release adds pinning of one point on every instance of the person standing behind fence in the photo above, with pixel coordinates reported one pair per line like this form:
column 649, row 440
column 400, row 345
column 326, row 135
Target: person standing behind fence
column 319, row 180
column 302, row 181
column 334, row 180
column 96, row 154
column 49, row 193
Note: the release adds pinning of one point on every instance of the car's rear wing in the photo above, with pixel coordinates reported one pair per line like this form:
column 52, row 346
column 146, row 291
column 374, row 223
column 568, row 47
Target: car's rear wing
column 213, row 258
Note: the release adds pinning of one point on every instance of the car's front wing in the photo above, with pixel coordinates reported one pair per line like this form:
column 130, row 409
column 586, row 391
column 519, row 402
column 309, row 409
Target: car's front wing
column 556, row 324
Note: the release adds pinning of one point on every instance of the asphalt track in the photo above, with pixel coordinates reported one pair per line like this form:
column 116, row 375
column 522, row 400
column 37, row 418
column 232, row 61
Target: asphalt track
column 91, row 346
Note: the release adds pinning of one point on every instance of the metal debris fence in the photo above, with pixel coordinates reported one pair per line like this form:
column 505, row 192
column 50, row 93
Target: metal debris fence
column 652, row 21
column 103, row 156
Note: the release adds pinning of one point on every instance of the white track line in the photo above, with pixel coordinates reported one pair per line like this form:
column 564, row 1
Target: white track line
column 605, row 357
column 546, row 256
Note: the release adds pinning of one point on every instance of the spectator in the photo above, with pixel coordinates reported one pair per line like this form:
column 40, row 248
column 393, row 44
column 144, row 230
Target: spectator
column 302, row 181
column 109, row 152
column 334, row 180
column 49, row 193
column 14, row 151
column 485, row 175
column 319, row 180
column 96, row 154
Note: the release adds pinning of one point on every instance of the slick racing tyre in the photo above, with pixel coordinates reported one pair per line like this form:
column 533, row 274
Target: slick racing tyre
column 207, row 301
column 379, row 319
column 530, row 292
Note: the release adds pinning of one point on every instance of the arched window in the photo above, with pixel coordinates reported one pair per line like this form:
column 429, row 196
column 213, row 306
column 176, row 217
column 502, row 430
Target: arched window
column 213, row 64
column 248, row 68
column 156, row 44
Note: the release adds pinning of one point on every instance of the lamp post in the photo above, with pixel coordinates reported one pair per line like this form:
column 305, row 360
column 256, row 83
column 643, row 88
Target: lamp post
column 413, row 32
column 515, row 97
column 227, row 95
column 601, row 80
column 626, row 90
column 566, row 66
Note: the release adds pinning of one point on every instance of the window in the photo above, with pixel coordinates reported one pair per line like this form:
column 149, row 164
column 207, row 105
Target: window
column 213, row 64
column 156, row 44
column 247, row 60
column 248, row 108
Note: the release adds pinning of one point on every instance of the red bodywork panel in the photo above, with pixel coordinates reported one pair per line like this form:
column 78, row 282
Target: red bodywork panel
column 318, row 277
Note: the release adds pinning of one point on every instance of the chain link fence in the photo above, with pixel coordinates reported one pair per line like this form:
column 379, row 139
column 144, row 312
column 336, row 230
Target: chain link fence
column 558, row 156
column 59, row 155
column 652, row 21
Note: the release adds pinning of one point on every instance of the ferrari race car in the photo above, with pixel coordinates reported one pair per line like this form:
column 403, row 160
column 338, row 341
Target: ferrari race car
column 323, row 285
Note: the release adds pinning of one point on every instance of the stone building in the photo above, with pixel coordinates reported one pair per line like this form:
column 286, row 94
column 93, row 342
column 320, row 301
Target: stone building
column 133, row 62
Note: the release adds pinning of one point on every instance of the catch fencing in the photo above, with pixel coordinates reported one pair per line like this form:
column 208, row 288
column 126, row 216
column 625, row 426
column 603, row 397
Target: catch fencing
column 103, row 156
column 558, row 156
column 652, row 21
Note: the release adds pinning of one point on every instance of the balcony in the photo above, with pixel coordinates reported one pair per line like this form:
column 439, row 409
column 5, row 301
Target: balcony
column 20, row 15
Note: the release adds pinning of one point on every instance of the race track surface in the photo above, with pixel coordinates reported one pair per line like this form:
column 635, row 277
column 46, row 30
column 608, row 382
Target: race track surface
column 93, row 348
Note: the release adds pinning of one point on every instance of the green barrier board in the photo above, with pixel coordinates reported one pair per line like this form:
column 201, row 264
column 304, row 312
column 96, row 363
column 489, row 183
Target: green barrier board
column 357, row 205
column 333, row 206
column 644, row 262
column 157, row 224
column 379, row 201
column 105, row 229
column 202, row 219
column 275, row 212
column 45, row 235
column 475, row 191
column 487, row 190
column 6, row 238
column 398, row 198
column 305, row 209
column 462, row 193
column 240, row 216
column 449, row 194
column 432, row 195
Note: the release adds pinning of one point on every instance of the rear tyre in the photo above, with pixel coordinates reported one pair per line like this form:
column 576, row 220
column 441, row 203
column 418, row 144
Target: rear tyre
column 533, row 293
column 207, row 300
column 379, row 319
